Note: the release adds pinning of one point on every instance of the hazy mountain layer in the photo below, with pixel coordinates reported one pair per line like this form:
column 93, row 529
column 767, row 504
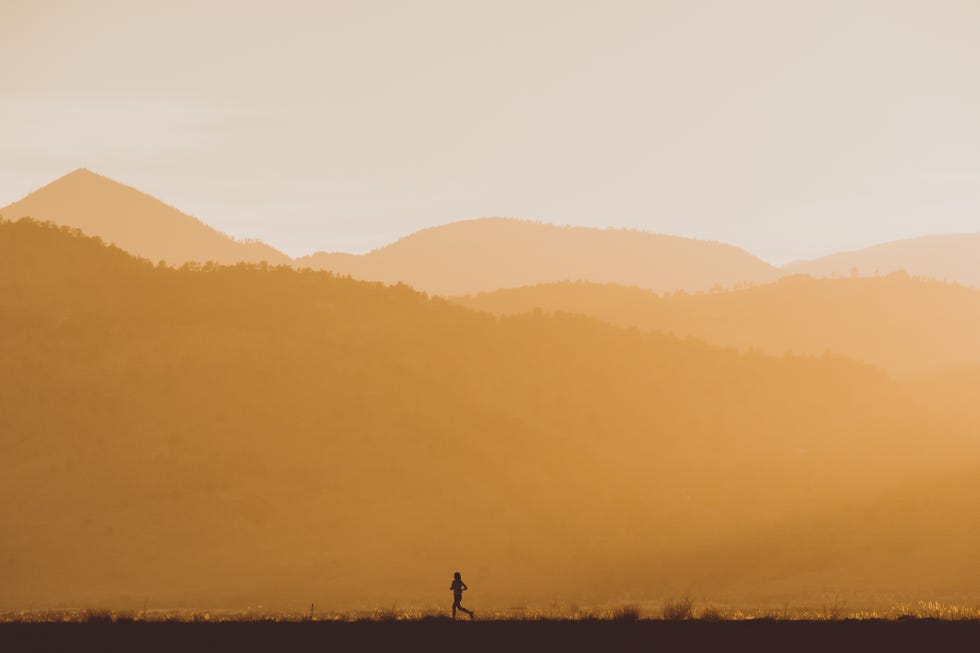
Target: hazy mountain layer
column 135, row 221
column 954, row 257
column 250, row 435
column 904, row 325
column 487, row 254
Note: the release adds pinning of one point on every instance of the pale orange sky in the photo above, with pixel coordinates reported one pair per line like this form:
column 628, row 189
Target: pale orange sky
column 792, row 129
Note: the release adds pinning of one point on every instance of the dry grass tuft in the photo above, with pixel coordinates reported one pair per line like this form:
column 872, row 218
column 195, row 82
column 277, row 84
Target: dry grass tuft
column 678, row 610
column 711, row 613
column 938, row 610
column 625, row 613
column 97, row 617
column 834, row 611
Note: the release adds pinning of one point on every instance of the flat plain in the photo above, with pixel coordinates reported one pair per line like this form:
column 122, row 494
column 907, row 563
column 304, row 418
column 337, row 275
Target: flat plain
column 442, row 634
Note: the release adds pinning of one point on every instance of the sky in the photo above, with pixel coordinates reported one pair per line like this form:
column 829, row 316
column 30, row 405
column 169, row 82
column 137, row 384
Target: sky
column 791, row 129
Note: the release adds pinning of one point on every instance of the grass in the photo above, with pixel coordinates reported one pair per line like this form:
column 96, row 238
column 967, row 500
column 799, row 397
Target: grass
column 711, row 613
column 679, row 609
column 626, row 613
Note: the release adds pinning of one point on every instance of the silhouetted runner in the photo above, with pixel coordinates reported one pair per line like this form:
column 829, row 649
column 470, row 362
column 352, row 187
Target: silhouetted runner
column 458, row 587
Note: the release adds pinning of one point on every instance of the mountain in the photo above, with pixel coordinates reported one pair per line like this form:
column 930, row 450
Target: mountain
column 954, row 257
column 487, row 254
column 247, row 435
column 904, row 325
column 135, row 221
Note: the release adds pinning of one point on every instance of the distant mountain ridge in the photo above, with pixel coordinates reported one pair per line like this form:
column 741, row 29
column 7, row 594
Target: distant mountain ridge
column 952, row 257
column 906, row 326
column 134, row 221
column 460, row 257
column 485, row 254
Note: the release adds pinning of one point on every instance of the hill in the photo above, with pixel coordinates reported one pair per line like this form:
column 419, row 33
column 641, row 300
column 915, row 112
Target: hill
column 904, row 325
column 953, row 257
column 487, row 254
column 256, row 435
column 135, row 221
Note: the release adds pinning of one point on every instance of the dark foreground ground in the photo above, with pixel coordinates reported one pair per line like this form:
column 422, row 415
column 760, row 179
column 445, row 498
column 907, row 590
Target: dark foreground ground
column 497, row 636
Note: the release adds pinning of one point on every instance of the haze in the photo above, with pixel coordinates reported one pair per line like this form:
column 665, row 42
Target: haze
column 789, row 129
column 306, row 306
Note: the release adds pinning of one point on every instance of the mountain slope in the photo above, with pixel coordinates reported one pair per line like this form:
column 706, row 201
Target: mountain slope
column 487, row 254
column 233, row 436
column 953, row 257
column 135, row 221
column 904, row 325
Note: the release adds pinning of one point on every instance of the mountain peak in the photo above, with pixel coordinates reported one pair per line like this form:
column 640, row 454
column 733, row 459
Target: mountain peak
column 82, row 172
column 138, row 223
column 79, row 185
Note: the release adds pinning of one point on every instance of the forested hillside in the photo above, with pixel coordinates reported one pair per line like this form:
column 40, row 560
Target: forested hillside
column 905, row 325
column 252, row 434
